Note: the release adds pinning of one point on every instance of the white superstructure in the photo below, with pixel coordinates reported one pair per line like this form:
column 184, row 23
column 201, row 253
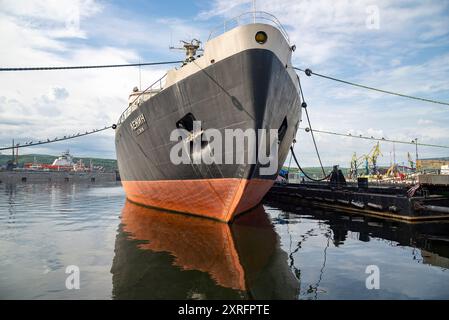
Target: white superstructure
column 65, row 159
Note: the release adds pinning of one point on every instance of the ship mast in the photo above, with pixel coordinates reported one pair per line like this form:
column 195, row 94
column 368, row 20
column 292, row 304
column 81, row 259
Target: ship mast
column 190, row 48
column 254, row 11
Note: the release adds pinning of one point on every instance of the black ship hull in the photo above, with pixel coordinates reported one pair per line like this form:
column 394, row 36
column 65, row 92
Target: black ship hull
column 248, row 90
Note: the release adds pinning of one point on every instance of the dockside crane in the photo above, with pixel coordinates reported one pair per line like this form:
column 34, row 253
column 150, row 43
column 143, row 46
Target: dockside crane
column 370, row 159
column 410, row 161
column 374, row 154
column 355, row 164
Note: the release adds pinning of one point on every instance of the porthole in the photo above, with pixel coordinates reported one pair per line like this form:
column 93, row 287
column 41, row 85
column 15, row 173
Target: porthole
column 261, row 37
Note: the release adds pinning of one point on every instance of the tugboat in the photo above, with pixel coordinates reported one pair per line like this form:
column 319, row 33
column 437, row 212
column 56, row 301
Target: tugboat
column 241, row 79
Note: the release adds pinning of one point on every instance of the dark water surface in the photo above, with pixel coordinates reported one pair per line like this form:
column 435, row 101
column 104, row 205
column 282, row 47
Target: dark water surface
column 124, row 251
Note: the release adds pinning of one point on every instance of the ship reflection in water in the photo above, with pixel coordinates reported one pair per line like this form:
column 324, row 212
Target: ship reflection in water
column 165, row 255
column 277, row 252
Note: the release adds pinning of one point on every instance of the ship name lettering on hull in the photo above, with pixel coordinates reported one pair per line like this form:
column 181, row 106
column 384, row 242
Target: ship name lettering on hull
column 137, row 122
column 140, row 130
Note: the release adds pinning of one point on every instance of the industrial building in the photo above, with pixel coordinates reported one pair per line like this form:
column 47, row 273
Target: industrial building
column 432, row 163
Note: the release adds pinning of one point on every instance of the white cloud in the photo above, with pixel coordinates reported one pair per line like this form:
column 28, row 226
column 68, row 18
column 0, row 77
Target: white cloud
column 55, row 18
column 51, row 10
column 37, row 105
column 226, row 9
column 424, row 122
column 407, row 54
column 57, row 93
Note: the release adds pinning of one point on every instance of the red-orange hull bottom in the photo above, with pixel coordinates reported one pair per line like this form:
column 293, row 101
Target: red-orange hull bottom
column 220, row 199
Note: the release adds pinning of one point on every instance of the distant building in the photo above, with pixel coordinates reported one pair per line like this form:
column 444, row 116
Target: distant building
column 432, row 163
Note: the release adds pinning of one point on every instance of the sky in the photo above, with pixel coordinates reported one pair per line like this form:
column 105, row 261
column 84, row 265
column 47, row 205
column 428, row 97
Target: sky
column 396, row 45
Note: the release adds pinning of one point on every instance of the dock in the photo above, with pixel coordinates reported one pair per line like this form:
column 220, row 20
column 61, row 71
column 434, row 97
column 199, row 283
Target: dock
column 423, row 202
column 40, row 176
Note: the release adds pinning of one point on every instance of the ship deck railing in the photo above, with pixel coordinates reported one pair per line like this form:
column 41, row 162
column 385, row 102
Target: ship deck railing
column 249, row 18
column 140, row 98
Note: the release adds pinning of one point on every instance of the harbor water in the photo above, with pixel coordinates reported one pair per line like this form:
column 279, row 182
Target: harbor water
column 125, row 251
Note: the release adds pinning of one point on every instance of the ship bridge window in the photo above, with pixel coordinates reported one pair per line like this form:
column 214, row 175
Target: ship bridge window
column 282, row 130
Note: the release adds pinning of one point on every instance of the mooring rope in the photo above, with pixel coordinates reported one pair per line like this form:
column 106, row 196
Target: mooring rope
column 304, row 106
column 305, row 174
column 89, row 67
column 46, row 141
column 348, row 135
column 309, row 72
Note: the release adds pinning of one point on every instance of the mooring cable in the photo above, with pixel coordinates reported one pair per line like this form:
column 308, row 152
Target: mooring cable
column 305, row 174
column 46, row 141
column 309, row 72
column 348, row 135
column 290, row 162
column 304, row 106
column 89, row 67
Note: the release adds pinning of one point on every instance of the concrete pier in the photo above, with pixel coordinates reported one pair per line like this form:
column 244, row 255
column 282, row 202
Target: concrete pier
column 55, row 176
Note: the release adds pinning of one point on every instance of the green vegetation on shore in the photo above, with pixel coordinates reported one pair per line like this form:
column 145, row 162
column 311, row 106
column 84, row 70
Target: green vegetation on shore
column 108, row 164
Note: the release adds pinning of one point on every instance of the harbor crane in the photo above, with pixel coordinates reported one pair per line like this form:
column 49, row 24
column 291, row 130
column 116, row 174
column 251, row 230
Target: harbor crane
column 355, row 164
column 370, row 159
